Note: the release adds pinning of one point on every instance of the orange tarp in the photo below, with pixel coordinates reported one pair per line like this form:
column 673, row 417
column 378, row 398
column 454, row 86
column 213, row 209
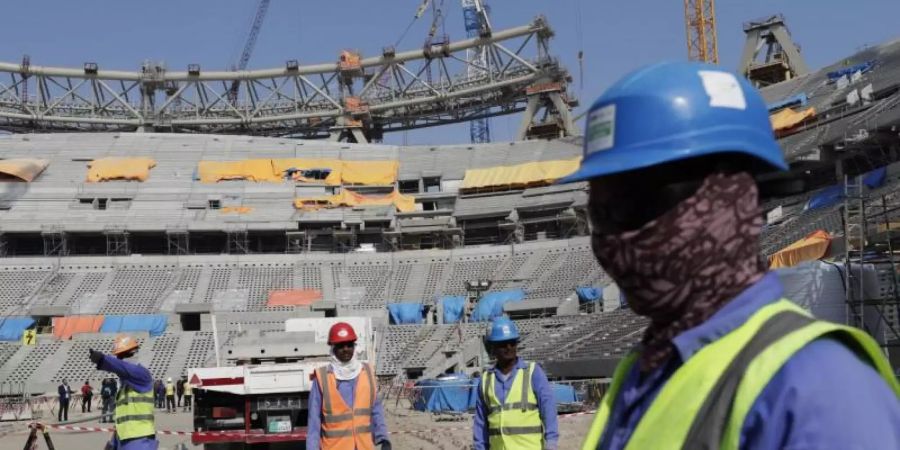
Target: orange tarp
column 403, row 203
column 520, row 174
column 25, row 169
column 814, row 246
column 294, row 297
column 379, row 172
column 105, row 169
column 236, row 210
column 788, row 118
column 65, row 327
column 249, row 169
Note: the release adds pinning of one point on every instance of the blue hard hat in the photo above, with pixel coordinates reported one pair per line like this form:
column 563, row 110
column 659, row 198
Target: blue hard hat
column 673, row 111
column 502, row 329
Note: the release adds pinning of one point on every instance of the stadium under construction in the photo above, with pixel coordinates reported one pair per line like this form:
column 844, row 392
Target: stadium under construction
column 199, row 210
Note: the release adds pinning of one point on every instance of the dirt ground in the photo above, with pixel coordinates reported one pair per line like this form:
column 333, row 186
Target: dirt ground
column 409, row 429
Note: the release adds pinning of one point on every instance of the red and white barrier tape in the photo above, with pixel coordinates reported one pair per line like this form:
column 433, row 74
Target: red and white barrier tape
column 227, row 434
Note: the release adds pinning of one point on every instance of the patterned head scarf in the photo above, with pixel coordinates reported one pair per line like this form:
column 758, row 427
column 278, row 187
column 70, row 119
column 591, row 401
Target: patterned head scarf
column 682, row 267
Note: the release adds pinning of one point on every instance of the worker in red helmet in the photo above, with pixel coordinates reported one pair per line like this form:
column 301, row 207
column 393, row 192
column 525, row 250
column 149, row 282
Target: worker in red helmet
column 345, row 412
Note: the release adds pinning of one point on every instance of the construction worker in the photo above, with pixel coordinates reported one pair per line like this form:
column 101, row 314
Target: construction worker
column 188, row 395
column 345, row 412
column 671, row 153
column 170, row 395
column 515, row 407
column 135, row 426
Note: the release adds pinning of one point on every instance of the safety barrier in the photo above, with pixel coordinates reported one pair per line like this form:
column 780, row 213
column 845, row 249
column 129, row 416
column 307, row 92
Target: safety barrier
column 64, row 427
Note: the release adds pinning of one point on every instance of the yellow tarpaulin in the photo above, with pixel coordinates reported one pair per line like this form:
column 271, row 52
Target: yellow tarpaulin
column 788, row 118
column 347, row 198
column 346, row 172
column 106, row 169
column 25, row 169
column 814, row 246
column 369, row 173
column 235, row 210
column 248, row 169
column 334, row 178
column 520, row 174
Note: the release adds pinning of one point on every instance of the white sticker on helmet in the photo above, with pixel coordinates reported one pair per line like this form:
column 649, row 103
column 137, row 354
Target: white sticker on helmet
column 723, row 89
column 601, row 129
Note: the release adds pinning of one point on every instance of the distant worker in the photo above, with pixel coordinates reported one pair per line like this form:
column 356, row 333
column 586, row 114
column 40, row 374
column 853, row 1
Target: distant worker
column 65, row 395
column 135, row 425
column 159, row 394
column 179, row 391
column 671, row 152
column 170, row 395
column 515, row 407
column 188, row 395
column 106, row 398
column 345, row 412
column 87, row 393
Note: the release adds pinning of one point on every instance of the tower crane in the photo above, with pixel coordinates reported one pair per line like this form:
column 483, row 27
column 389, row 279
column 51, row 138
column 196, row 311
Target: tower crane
column 477, row 23
column 261, row 9
column 700, row 29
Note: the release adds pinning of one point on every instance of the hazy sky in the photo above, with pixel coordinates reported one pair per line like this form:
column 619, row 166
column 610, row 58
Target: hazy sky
column 616, row 36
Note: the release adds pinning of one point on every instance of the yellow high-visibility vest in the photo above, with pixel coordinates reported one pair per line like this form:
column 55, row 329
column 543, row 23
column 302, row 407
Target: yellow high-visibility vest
column 706, row 401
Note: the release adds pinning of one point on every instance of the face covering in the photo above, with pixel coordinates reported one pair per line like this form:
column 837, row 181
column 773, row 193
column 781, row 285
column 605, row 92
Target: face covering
column 345, row 371
column 682, row 267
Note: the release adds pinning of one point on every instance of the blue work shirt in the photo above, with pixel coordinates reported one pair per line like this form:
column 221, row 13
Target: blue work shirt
column 546, row 401
column 139, row 378
column 347, row 388
column 824, row 397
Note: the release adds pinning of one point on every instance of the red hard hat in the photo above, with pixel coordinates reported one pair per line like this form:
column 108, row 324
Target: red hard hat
column 341, row 332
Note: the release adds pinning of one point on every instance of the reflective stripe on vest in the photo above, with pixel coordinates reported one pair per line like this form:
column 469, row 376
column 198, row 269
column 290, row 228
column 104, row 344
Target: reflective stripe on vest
column 516, row 423
column 134, row 413
column 343, row 427
column 711, row 390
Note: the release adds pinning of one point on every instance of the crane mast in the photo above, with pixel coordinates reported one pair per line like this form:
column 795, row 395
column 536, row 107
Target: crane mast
column 700, row 29
column 476, row 21
column 261, row 9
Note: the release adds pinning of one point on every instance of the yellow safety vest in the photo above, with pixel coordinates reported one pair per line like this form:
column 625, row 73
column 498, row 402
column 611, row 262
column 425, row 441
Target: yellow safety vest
column 705, row 402
column 188, row 389
column 134, row 413
column 515, row 423
column 170, row 389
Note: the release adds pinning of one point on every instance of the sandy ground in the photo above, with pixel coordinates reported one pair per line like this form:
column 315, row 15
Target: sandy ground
column 409, row 430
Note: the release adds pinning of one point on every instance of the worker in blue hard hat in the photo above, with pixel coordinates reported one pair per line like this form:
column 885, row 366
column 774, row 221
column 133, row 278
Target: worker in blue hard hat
column 671, row 153
column 515, row 407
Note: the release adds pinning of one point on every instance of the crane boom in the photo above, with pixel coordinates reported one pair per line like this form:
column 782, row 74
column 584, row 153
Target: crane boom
column 261, row 9
column 700, row 29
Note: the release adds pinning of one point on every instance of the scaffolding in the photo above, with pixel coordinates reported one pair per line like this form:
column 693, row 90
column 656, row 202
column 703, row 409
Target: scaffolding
column 866, row 244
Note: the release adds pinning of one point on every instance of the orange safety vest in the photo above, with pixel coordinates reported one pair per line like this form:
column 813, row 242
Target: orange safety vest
column 344, row 428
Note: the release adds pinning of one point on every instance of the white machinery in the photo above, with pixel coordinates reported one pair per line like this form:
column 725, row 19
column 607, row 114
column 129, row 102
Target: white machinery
column 261, row 397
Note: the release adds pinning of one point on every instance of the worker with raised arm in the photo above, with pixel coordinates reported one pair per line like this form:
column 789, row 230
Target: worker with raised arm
column 345, row 412
column 135, row 425
column 672, row 153
column 515, row 407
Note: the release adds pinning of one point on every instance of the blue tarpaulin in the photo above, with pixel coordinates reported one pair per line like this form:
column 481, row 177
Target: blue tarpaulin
column 875, row 178
column 11, row 328
column 455, row 393
column 564, row 393
column 587, row 294
column 848, row 71
column 491, row 304
column 155, row 324
column 406, row 312
column 795, row 100
column 453, row 307
column 829, row 196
